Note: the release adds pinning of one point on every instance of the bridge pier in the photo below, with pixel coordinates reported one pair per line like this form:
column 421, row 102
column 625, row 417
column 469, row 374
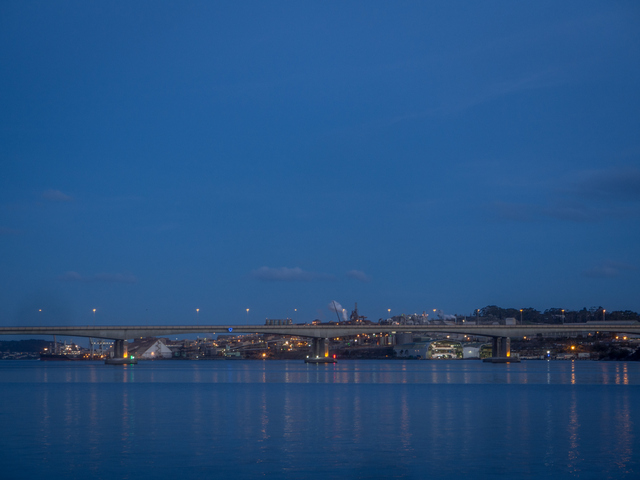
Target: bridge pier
column 120, row 356
column 319, row 351
column 501, row 347
column 320, row 347
column 501, row 351
column 119, row 349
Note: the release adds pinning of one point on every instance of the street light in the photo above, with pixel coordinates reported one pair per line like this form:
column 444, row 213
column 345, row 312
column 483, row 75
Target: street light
column 563, row 316
column 197, row 316
column 520, row 316
column 603, row 310
column 247, row 315
column 91, row 339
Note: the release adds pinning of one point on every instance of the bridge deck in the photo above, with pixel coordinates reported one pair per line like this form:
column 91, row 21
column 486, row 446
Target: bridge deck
column 126, row 332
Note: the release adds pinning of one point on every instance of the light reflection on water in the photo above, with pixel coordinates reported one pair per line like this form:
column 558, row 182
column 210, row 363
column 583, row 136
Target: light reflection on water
column 353, row 419
column 573, row 433
column 625, row 434
column 417, row 372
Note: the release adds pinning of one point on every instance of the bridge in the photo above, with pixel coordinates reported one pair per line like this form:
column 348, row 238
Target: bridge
column 500, row 334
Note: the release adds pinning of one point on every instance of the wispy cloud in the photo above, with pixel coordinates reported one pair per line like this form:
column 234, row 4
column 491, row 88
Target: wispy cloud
column 582, row 197
column 575, row 212
column 519, row 212
column 609, row 269
column 9, row 231
column 285, row 274
column 358, row 275
column 168, row 227
column 456, row 104
column 56, row 196
column 98, row 278
column 578, row 213
column 620, row 183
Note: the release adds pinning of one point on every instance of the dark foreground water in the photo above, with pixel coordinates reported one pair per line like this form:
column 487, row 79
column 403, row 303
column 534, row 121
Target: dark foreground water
column 286, row 419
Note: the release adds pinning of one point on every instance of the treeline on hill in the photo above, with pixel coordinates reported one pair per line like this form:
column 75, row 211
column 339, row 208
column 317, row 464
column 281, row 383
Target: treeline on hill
column 24, row 346
column 555, row 315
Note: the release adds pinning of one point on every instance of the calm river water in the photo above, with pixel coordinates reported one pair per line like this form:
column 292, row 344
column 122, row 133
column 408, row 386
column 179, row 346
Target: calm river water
column 287, row 419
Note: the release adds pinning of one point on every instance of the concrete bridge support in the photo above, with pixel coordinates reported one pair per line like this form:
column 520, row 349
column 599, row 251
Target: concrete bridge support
column 501, row 347
column 119, row 349
column 320, row 347
column 501, row 351
column 120, row 354
column 319, row 351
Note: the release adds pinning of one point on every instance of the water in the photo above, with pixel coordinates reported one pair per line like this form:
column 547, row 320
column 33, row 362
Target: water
column 287, row 419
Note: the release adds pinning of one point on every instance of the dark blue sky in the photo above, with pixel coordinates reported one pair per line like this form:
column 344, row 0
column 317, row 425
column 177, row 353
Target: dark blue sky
column 158, row 157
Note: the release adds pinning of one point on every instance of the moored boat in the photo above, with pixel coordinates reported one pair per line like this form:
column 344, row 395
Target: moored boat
column 59, row 357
